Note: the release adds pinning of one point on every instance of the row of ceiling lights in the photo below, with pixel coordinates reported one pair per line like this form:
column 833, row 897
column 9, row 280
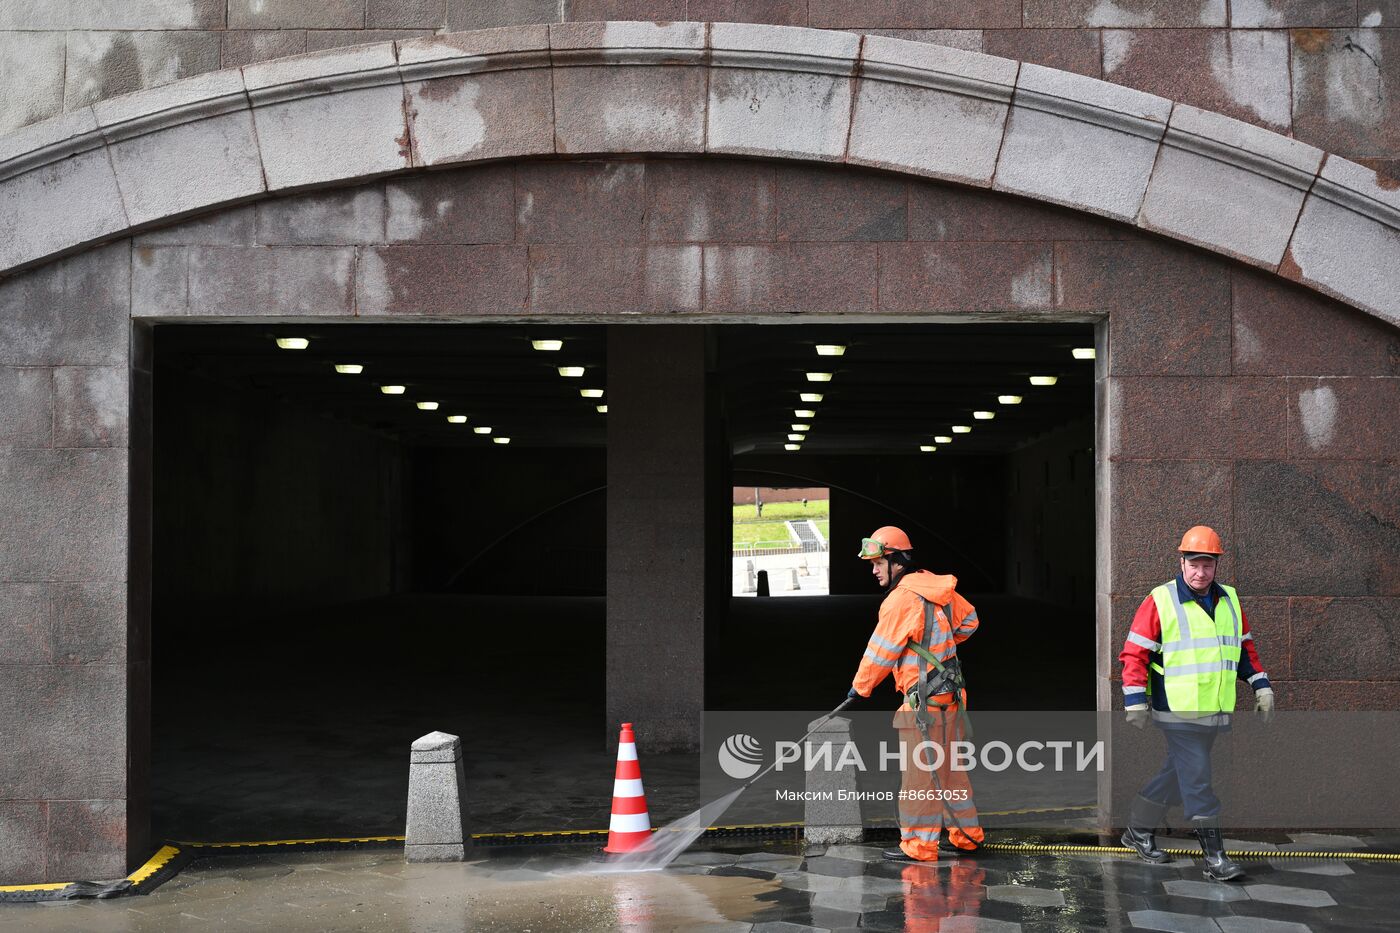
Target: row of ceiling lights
column 355, row 369
column 1079, row 353
column 571, row 372
column 799, row 429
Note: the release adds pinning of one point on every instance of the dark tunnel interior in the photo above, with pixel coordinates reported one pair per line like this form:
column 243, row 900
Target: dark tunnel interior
column 338, row 570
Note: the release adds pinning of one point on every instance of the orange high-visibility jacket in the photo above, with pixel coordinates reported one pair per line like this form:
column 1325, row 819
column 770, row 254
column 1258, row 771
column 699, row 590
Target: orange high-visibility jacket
column 902, row 619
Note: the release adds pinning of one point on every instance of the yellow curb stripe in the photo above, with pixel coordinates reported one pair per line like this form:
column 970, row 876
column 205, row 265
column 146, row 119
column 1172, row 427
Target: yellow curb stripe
column 153, row 864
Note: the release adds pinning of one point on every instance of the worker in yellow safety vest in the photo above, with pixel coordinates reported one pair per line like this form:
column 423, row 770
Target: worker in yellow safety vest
column 1189, row 644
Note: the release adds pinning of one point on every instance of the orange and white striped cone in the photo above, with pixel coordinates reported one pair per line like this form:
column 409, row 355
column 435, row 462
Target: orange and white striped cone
column 630, row 825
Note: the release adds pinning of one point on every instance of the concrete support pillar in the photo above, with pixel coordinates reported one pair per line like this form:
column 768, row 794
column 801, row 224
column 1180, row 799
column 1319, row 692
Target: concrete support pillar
column 656, row 533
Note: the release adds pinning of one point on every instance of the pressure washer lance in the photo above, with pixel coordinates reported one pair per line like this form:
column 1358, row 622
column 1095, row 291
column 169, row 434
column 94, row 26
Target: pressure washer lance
column 820, row 722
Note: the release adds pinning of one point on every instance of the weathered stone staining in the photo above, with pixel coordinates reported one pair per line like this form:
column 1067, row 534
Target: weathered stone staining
column 959, row 100
column 1228, row 186
column 436, row 831
column 1082, row 143
column 744, row 89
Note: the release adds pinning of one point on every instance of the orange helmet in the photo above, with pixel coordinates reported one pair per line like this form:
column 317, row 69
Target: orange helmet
column 883, row 541
column 1201, row 540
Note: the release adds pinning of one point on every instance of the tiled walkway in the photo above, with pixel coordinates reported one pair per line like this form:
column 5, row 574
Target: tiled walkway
column 759, row 888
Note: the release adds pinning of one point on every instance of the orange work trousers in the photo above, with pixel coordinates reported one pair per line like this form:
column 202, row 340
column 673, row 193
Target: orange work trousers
column 933, row 798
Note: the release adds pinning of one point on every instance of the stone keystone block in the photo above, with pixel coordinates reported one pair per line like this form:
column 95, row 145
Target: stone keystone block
column 436, row 831
column 828, row 820
column 1228, row 185
column 1347, row 243
column 779, row 91
column 930, row 110
column 1081, row 142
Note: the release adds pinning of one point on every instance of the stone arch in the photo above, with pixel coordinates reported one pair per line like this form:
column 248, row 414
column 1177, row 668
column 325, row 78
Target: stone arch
column 343, row 116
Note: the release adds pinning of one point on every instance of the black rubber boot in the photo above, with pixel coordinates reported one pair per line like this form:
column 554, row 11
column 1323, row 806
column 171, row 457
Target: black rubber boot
column 1218, row 866
column 897, row 855
column 1141, row 835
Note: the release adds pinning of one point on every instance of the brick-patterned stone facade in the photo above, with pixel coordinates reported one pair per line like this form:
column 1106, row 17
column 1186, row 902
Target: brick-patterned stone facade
column 1217, row 401
column 1322, row 72
column 1298, row 470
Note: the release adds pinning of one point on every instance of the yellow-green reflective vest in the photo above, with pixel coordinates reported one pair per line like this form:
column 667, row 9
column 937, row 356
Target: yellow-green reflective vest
column 1200, row 655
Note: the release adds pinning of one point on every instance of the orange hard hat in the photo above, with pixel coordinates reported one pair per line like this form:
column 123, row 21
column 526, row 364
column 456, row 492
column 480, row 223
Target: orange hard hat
column 884, row 540
column 1201, row 540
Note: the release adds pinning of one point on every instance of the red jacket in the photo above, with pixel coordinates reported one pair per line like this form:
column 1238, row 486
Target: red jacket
column 1136, row 657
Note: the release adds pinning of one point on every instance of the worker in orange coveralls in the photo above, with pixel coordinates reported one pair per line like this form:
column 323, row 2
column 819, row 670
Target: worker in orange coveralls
column 922, row 609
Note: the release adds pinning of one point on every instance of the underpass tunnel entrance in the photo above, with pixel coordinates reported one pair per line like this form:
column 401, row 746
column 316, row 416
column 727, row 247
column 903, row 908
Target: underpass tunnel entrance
column 387, row 532
column 977, row 440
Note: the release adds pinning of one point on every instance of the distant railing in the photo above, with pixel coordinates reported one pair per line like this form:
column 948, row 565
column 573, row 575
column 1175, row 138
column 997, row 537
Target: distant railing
column 771, row 548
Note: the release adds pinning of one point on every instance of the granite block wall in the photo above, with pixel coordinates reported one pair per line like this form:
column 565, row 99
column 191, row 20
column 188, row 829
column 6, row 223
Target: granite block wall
column 1224, row 396
column 64, row 659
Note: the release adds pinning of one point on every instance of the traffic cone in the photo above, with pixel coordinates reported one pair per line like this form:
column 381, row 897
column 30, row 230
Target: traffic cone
column 630, row 825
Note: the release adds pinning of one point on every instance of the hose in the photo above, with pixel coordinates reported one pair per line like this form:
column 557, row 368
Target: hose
column 1247, row 854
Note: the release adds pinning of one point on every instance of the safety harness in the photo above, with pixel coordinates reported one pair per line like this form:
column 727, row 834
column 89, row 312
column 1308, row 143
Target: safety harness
column 947, row 678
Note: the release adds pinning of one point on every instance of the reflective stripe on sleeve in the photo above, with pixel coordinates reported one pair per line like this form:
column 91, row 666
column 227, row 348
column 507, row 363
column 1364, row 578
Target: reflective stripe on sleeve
column 878, row 642
column 1142, row 641
column 1258, row 676
column 875, row 659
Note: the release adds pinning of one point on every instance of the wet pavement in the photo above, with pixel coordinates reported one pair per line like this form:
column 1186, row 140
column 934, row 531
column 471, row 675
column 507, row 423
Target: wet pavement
column 764, row 888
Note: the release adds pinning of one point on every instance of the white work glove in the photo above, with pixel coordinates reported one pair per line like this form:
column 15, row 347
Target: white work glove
column 1138, row 716
column 1264, row 704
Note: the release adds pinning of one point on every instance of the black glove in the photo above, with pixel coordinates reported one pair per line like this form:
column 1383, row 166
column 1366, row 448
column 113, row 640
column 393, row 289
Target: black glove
column 852, row 694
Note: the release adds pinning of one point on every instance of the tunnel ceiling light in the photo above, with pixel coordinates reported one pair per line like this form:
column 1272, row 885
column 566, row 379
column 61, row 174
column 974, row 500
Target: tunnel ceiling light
column 800, row 427
column 392, row 390
column 984, row 415
column 927, row 448
column 591, row 393
column 483, row 429
column 456, row 419
column 1044, row 380
column 427, row 406
column 819, row 377
column 349, row 369
column 961, row 429
column 1009, row 399
column 942, row 439
column 1083, row 353
column 830, row 349
column 804, row 413
column 293, row 343
column 601, row 409
column 797, row 437
column 549, row 346
column 792, row 447
column 571, row 372
column 500, row 440
column 812, row 397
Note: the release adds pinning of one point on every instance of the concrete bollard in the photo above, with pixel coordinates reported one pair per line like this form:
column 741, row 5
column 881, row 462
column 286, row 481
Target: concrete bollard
column 436, row 831
column 827, row 819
